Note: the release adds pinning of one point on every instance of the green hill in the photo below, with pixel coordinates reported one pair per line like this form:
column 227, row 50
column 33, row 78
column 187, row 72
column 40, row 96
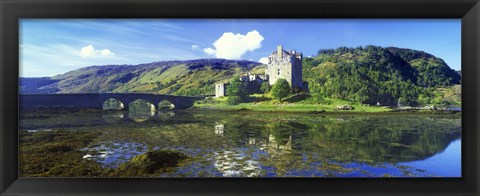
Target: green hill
column 374, row 74
column 193, row 77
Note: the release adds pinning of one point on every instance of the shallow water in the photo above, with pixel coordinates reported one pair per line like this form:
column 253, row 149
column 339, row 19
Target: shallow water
column 256, row 144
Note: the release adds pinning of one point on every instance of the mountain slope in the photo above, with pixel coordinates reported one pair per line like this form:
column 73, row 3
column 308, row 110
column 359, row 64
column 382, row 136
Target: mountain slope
column 191, row 77
column 36, row 85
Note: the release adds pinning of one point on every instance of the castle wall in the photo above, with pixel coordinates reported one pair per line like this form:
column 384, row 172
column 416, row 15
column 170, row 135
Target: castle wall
column 285, row 65
column 297, row 72
column 280, row 68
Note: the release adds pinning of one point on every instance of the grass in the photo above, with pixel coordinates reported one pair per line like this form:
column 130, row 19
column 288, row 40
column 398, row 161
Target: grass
column 172, row 73
column 271, row 105
column 180, row 78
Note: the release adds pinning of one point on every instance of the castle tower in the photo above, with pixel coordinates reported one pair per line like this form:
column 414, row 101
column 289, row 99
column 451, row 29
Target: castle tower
column 286, row 65
column 279, row 51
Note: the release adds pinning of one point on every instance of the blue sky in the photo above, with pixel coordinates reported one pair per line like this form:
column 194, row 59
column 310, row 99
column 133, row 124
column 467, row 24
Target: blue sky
column 54, row 46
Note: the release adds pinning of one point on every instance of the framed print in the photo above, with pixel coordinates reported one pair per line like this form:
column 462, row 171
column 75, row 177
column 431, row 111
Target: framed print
column 223, row 97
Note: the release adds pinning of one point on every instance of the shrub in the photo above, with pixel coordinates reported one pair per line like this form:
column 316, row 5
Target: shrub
column 280, row 89
column 234, row 100
column 265, row 87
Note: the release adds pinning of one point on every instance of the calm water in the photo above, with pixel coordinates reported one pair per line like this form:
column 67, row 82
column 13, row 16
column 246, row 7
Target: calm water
column 256, row 144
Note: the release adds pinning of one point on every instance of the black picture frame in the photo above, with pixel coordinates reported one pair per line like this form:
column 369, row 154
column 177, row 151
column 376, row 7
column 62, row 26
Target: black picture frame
column 12, row 10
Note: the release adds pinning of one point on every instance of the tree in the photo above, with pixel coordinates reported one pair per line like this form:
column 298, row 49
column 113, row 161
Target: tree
column 236, row 88
column 265, row 87
column 280, row 89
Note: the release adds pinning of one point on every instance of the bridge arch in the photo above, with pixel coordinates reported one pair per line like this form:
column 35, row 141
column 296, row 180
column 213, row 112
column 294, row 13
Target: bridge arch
column 140, row 110
column 113, row 104
column 166, row 104
column 141, row 106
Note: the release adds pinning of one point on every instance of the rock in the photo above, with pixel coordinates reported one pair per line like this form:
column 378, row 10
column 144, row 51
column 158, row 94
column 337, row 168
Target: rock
column 60, row 148
column 151, row 162
column 344, row 107
column 432, row 107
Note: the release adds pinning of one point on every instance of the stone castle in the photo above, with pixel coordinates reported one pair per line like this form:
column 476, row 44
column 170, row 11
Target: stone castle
column 286, row 65
column 281, row 64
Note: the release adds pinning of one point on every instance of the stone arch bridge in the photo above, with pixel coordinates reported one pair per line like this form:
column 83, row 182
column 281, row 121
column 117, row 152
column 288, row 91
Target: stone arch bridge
column 96, row 100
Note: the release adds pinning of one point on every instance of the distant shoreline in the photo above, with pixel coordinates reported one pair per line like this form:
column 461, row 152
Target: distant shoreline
column 349, row 112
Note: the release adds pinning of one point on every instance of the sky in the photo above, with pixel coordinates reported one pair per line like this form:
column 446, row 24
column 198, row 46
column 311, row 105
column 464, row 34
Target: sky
column 49, row 47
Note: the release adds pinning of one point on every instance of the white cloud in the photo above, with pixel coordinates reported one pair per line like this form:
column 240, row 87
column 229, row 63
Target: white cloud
column 195, row 47
column 106, row 52
column 234, row 46
column 89, row 51
column 209, row 51
column 263, row 60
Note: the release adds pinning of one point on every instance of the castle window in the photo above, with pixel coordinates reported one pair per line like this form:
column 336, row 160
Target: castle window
column 278, row 71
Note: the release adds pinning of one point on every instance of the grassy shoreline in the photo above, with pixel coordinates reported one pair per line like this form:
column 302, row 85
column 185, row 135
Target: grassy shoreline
column 314, row 109
column 288, row 107
column 299, row 104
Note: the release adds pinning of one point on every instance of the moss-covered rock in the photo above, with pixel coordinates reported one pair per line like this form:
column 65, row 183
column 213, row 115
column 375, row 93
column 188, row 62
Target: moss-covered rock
column 153, row 162
column 57, row 153
column 56, row 148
